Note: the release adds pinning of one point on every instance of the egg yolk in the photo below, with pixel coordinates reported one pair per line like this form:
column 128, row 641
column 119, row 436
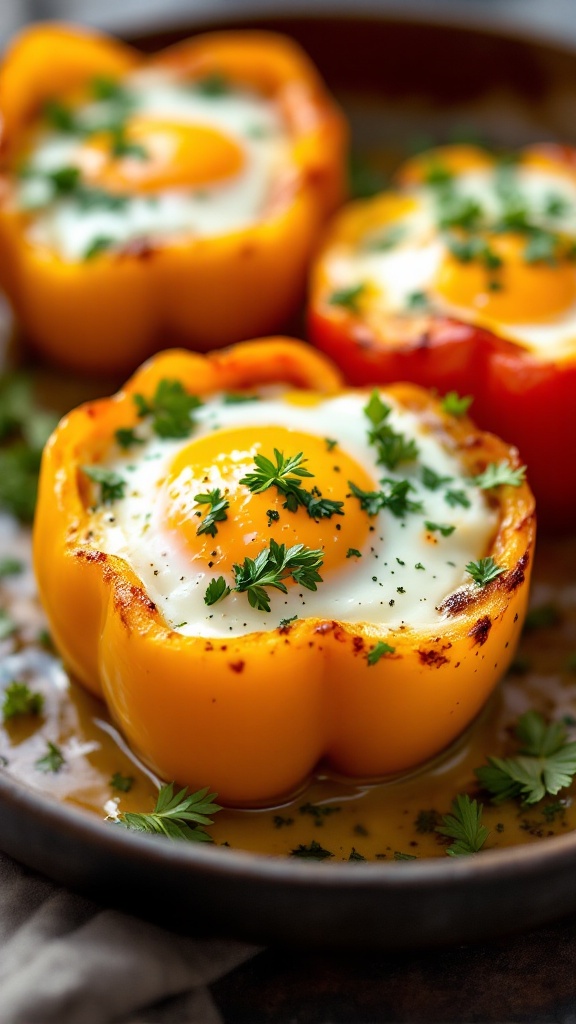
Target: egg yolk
column 220, row 460
column 153, row 154
column 515, row 292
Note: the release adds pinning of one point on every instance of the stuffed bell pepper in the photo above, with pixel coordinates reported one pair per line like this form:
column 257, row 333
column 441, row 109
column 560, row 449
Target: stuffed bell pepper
column 463, row 278
column 262, row 571
column 174, row 198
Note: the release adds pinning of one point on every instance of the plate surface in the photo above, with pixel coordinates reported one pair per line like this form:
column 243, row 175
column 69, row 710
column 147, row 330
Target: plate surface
column 401, row 83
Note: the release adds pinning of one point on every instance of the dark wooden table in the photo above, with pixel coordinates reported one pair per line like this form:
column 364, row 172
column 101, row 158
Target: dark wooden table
column 528, row 978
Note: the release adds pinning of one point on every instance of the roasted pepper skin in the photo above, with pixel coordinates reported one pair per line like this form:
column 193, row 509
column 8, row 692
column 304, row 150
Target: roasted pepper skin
column 108, row 314
column 528, row 400
column 252, row 716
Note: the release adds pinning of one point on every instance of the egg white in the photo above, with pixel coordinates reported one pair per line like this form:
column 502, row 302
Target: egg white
column 400, row 579
column 253, row 122
column 412, row 264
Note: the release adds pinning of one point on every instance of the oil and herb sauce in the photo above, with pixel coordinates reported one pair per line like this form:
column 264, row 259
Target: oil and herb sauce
column 66, row 747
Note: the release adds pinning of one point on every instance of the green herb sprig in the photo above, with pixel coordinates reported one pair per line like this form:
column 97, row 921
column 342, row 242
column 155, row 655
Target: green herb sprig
column 464, row 826
column 171, row 408
column 269, row 569
column 392, row 447
column 217, row 512
column 286, row 475
column 178, row 815
column 546, row 763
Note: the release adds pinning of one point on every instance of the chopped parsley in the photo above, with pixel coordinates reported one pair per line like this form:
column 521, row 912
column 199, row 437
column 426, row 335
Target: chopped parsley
column 126, row 437
column 270, row 568
column 213, row 85
column 498, row 474
column 349, row 298
column 442, row 528
column 353, row 553
column 454, row 498
column 378, row 651
column 171, row 408
column 392, row 447
column 456, row 405
column 433, row 480
column 393, row 496
column 123, row 783
column 314, row 851
column 112, row 485
column 98, row 245
column 217, row 512
column 286, row 475
column 20, row 700
column 52, row 761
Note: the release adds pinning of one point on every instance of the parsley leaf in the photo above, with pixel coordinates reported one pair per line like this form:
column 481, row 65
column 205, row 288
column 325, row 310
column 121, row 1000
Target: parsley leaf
column 285, row 476
column 353, row 553
column 456, row 405
column 176, row 815
column 314, row 851
column 378, row 651
column 273, row 565
column 546, row 763
column 213, row 85
column 52, row 761
column 394, row 496
column 454, row 498
column 497, row 474
column 484, row 570
column 112, row 485
column 348, row 298
column 19, row 700
column 126, row 437
column 391, row 446
column 216, row 513
column 464, row 826
column 171, row 408
column 443, row 528
column 123, row 783
column 432, row 480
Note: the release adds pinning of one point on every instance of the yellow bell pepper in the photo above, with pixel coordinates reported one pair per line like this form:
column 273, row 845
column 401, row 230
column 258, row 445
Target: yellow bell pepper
column 252, row 716
column 110, row 311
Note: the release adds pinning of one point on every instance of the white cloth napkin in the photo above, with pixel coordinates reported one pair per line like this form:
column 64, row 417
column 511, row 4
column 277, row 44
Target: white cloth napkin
column 64, row 960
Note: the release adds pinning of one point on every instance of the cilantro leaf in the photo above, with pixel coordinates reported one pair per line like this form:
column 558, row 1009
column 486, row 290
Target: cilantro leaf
column 464, row 826
column 176, row 815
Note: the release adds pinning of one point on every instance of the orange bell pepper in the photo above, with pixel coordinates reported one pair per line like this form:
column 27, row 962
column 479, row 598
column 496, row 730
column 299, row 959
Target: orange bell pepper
column 108, row 312
column 253, row 715
column 465, row 332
